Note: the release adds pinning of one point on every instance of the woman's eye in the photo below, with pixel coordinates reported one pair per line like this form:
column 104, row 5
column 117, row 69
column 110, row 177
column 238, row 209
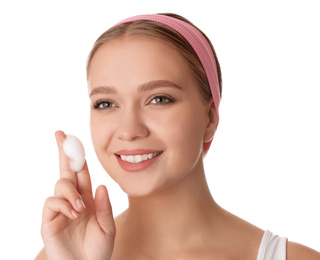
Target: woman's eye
column 103, row 105
column 161, row 100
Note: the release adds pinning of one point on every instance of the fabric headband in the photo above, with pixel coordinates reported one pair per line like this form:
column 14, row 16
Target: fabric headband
column 200, row 46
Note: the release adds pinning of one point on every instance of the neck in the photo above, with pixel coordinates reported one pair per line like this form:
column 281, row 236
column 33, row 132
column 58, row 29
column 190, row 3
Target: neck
column 173, row 215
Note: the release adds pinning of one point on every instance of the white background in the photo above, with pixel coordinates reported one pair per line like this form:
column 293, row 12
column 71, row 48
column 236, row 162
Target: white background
column 264, row 162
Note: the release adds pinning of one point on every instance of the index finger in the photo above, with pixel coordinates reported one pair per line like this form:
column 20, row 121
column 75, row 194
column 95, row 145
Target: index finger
column 84, row 180
column 64, row 161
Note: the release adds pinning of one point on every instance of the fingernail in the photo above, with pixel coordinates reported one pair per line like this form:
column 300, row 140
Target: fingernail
column 80, row 203
column 74, row 213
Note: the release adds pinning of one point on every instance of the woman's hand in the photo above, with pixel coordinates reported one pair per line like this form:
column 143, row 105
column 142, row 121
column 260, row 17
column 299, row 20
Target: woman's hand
column 74, row 224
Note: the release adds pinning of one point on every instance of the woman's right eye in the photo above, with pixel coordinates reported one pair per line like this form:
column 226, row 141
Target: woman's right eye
column 103, row 105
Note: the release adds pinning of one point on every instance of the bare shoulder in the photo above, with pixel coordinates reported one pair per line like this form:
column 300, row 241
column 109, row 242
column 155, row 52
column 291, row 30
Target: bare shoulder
column 297, row 251
column 42, row 255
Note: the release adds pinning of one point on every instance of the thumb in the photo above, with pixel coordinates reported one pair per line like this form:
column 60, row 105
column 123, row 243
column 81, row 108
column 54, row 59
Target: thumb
column 104, row 211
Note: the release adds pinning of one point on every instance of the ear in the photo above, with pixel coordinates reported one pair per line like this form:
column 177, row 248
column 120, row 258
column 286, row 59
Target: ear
column 211, row 122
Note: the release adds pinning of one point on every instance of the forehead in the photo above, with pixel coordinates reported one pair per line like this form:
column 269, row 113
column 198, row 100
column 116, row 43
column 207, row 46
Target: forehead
column 136, row 59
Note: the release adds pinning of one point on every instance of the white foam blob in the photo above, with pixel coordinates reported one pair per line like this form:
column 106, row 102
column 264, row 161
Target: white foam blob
column 74, row 149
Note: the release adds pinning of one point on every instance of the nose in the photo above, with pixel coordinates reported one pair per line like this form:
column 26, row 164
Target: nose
column 132, row 126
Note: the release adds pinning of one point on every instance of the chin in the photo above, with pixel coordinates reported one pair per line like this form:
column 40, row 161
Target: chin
column 139, row 190
column 137, row 193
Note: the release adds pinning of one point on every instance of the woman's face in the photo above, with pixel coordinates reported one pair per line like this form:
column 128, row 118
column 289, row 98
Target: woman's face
column 148, row 121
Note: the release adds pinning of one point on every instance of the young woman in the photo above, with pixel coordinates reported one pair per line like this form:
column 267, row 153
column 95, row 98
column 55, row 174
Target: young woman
column 155, row 86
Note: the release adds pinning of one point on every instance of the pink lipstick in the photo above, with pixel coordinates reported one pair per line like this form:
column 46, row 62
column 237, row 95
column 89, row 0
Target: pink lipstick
column 137, row 160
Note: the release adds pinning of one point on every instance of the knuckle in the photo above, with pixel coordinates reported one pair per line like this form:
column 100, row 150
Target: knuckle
column 48, row 201
column 62, row 182
column 65, row 189
column 58, row 184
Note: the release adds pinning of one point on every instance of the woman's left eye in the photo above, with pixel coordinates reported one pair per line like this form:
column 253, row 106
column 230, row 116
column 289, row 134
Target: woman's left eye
column 161, row 100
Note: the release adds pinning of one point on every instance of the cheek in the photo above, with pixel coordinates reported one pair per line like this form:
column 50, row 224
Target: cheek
column 95, row 131
column 182, row 131
column 101, row 133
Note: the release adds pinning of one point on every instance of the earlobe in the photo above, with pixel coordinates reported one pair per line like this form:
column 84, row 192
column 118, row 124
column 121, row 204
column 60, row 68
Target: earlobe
column 211, row 122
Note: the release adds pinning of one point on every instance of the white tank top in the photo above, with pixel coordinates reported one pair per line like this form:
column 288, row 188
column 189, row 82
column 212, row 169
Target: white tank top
column 272, row 247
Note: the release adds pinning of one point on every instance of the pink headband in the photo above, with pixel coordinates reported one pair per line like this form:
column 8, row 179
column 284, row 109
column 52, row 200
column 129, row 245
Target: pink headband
column 200, row 46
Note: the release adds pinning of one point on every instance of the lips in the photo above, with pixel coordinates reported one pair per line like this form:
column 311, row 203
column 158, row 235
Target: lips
column 137, row 160
column 139, row 157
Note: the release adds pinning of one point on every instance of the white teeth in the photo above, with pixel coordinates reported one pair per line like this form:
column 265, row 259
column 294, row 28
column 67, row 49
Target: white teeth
column 138, row 158
column 130, row 158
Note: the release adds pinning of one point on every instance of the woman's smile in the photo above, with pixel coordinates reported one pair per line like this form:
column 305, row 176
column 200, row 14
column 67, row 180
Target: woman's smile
column 137, row 156
column 137, row 160
column 146, row 117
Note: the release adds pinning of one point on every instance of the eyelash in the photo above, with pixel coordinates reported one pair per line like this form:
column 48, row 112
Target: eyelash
column 98, row 103
column 168, row 99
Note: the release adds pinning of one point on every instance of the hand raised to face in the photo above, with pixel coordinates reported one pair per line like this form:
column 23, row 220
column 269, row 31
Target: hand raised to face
column 75, row 224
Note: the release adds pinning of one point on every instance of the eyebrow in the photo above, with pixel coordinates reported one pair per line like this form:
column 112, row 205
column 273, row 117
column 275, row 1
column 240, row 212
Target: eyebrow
column 142, row 88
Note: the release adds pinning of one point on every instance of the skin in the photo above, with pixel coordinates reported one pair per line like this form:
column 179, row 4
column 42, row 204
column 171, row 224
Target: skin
column 171, row 213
